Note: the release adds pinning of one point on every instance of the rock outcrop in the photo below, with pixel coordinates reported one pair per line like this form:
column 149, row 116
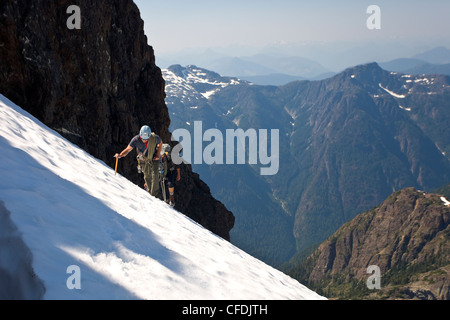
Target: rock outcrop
column 407, row 237
column 95, row 85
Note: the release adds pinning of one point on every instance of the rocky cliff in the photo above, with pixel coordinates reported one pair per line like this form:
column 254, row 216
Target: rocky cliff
column 95, row 85
column 407, row 237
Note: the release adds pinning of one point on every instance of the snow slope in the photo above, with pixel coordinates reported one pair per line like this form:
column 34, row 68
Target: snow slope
column 61, row 207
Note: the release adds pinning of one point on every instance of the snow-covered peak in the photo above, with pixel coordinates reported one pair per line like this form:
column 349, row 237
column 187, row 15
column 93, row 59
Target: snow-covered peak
column 82, row 225
column 182, row 81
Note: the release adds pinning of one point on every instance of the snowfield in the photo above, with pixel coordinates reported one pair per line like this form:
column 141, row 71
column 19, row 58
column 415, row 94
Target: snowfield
column 71, row 229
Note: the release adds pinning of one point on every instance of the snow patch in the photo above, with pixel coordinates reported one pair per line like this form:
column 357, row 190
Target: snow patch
column 399, row 96
column 208, row 94
column 403, row 108
column 445, row 201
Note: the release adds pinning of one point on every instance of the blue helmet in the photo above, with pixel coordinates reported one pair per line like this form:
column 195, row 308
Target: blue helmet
column 145, row 132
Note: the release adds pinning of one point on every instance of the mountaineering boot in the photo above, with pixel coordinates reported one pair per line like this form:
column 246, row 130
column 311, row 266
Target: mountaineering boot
column 172, row 201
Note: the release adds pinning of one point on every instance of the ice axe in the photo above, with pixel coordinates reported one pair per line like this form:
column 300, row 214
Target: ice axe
column 117, row 161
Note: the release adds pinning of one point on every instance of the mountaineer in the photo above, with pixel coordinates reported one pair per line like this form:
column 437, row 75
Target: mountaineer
column 148, row 147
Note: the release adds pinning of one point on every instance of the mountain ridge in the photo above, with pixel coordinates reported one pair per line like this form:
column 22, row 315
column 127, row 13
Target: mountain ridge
column 189, row 97
column 406, row 236
column 346, row 142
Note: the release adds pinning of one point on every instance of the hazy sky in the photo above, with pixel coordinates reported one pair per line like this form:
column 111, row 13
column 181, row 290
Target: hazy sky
column 173, row 25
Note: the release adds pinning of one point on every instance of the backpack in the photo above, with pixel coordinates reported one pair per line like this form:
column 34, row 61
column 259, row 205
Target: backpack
column 149, row 153
column 151, row 145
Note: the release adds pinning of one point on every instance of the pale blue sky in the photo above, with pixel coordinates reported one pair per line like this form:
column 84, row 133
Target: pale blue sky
column 173, row 25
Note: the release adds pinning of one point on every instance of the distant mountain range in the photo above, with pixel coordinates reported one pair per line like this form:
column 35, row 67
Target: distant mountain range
column 266, row 69
column 438, row 55
column 435, row 61
column 263, row 69
column 346, row 143
column 280, row 69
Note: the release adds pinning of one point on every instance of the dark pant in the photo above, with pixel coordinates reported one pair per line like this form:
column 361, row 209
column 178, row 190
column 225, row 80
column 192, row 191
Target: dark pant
column 171, row 179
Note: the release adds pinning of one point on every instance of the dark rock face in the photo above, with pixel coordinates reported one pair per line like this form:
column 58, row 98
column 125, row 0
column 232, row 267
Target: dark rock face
column 99, row 83
column 96, row 85
column 407, row 237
